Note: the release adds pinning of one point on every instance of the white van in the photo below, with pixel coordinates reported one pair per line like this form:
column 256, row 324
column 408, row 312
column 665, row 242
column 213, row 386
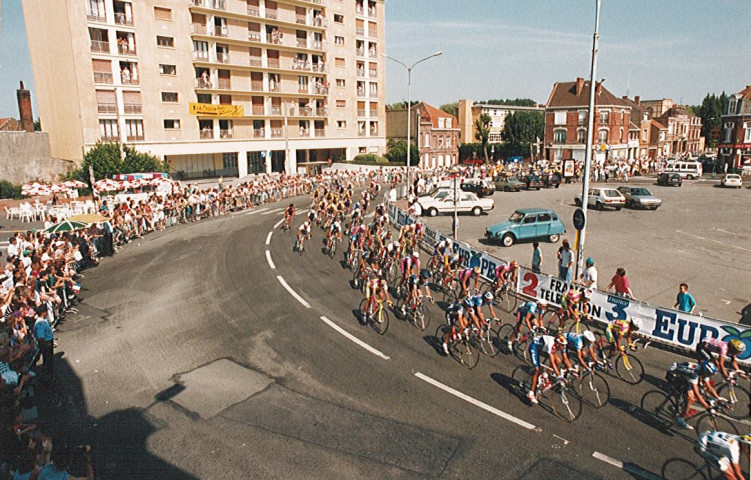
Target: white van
column 686, row 169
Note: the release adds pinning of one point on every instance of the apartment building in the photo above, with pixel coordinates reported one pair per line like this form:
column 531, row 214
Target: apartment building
column 469, row 112
column 214, row 87
column 735, row 140
column 434, row 131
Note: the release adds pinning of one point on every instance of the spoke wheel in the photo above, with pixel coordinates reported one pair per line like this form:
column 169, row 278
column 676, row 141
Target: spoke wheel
column 521, row 378
column 380, row 320
column 421, row 317
column 681, row 469
column 594, row 390
column 739, row 407
column 465, row 352
column 440, row 336
column 489, row 341
column 631, row 374
column 503, row 335
column 656, row 403
column 521, row 349
column 565, row 404
column 715, row 423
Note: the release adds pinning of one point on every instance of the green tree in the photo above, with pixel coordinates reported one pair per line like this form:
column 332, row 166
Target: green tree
column 710, row 111
column 451, row 108
column 400, row 105
column 105, row 160
column 482, row 125
column 519, row 102
column 523, row 127
column 37, row 125
column 396, row 152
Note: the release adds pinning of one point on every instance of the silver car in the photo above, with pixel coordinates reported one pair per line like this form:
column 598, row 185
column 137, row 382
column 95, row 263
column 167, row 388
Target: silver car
column 640, row 197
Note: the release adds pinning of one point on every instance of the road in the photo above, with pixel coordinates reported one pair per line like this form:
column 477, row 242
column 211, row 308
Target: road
column 700, row 235
column 190, row 357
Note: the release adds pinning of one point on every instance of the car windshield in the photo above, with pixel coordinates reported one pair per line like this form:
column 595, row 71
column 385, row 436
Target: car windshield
column 640, row 191
column 611, row 193
column 516, row 217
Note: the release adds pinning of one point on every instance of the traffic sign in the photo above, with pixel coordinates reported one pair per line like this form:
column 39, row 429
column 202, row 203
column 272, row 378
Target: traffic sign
column 579, row 219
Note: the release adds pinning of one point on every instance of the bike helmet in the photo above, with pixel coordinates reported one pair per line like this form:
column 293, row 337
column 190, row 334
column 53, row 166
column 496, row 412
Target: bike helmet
column 745, row 438
column 488, row 296
column 424, row 274
column 636, row 323
column 708, row 368
column 589, row 336
column 737, row 345
column 542, row 303
column 560, row 339
column 587, row 294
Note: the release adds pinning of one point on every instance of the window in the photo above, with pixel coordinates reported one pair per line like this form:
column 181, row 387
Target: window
column 441, row 122
column 543, row 217
column 426, row 140
column 340, row 82
column 448, row 122
column 161, row 13
column 108, row 130
column 731, row 106
column 256, row 163
column 560, row 118
column 229, row 160
column 134, row 130
column 623, row 138
column 559, row 136
column 604, row 117
column 582, row 117
column 172, row 124
column 339, row 62
column 338, row 18
column 738, row 107
column 200, row 50
column 165, row 41
column 341, row 124
column 747, row 138
column 644, row 135
column 167, row 69
column 338, row 40
column 448, row 141
column 169, row 97
column 602, row 135
column 729, row 132
column 203, row 98
column 341, row 103
column 529, row 219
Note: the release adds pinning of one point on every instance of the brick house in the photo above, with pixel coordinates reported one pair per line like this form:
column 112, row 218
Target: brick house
column 566, row 123
column 734, row 148
column 435, row 132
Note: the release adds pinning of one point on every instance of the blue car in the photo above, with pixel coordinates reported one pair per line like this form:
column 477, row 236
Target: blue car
column 527, row 224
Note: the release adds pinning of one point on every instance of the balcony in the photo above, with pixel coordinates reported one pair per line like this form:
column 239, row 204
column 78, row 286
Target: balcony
column 277, row 133
column 320, row 22
column 359, row 10
column 123, row 19
column 301, row 20
column 198, row 3
column 320, row 132
column 254, row 36
column 259, row 133
column 273, row 39
column 271, row 14
column 360, row 52
column 197, row 29
column 203, row 83
column 360, row 72
column 362, row 133
column 304, row 132
column 360, row 92
column 201, row 55
column 222, row 57
column 360, row 31
column 274, row 87
column 225, row 134
column 276, row 110
column 253, row 12
column 112, row 137
column 96, row 17
column 217, row 4
column 132, row 108
column 372, row 34
column 301, row 42
column 207, row 134
column 273, row 62
column 372, row 53
column 319, row 2
column 361, row 112
column 302, row 89
column 107, row 108
column 103, row 77
column 256, row 86
column 257, row 109
column 135, row 138
column 224, row 84
column 128, row 80
column 100, row 47
column 319, row 45
column 373, row 72
column 320, row 68
column 320, row 90
column 126, row 49
column 220, row 31
column 255, row 62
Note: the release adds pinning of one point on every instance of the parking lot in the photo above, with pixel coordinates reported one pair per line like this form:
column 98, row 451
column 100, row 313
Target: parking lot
column 701, row 235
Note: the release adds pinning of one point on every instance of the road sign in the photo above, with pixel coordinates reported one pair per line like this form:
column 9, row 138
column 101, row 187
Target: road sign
column 579, row 219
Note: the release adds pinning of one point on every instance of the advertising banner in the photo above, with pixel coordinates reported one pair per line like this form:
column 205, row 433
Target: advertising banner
column 209, row 109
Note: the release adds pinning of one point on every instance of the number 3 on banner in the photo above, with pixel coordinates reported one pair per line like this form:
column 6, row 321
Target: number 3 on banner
column 619, row 309
column 531, row 288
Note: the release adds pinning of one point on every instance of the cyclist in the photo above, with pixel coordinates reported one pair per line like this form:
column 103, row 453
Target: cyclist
column 289, row 215
column 487, row 300
column 570, row 305
column 465, row 276
column 413, row 288
column 441, row 251
column 684, row 379
column 303, row 233
column 581, row 344
column 505, row 275
column 335, row 231
column 716, row 350
column 526, row 313
column 472, row 312
column 410, row 265
column 550, row 346
column 454, row 317
column 618, row 329
column 376, row 289
column 723, row 451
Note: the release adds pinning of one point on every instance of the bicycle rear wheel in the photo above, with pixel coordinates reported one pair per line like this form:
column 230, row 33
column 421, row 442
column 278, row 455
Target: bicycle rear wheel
column 739, row 398
column 503, row 335
column 522, row 378
column 577, row 327
column 658, row 404
column 681, row 469
column 630, row 369
column 421, row 317
column 565, row 404
column 521, row 349
column 715, row 423
column 465, row 352
column 594, row 390
column 332, row 248
column 488, row 342
column 380, row 320
column 508, row 301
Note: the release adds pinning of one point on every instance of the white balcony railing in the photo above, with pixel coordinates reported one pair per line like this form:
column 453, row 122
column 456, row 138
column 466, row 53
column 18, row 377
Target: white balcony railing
column 277, row 133
column 103, row 77
column 254, row 12
column 226, row 134
column 198, row 29
column 207, row 133
column 96, row 17
column 132, row 108
column 100, row 46
column 123, row 19
column 107, row 108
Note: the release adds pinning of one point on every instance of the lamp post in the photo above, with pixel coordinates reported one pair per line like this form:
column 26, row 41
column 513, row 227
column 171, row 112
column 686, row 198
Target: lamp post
column 409, row 106
column 590, row 134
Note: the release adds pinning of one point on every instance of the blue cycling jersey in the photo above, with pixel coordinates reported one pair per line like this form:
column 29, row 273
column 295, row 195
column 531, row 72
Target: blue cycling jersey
column 528, row 307
column 476, row 300
column 575, row 341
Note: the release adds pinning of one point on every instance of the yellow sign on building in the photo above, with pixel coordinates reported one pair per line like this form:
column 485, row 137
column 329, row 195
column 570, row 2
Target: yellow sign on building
column 211, row 110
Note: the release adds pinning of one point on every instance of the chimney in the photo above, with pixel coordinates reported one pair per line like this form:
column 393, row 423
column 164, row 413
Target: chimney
column 637, row 100
column 24, row 109
column 598, row 88
column 579, row 85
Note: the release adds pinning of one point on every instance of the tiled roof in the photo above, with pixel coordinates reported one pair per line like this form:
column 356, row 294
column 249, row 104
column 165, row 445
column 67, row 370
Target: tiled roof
column 432, row 114
column 745, row 93
column 10, row 125
column 659, row 125
column 564, row 95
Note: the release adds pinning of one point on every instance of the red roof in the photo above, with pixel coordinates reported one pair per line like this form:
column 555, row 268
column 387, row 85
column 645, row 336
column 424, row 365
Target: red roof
column 659, row 125
column 10, row 125
column 432, row 114
column 745, row 93
column 564, row 95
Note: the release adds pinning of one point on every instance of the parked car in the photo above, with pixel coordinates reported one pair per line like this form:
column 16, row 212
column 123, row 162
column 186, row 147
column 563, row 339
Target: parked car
column 468, row 202
column 551, row 180
column 746, row 170
column 527, row 224
column 508, row 184
column 668, row 179
column 685, row 168
column 640, row 197
column 478, row 186
column 600, row 198
column 732, row 180
column 531, row 181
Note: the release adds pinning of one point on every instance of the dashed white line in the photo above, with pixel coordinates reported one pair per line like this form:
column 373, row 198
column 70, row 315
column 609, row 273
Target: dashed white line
column 273, row 211
column 268, row 259
column 253, row 212
column 610, row 460
column 699, row 237
column 292, row 292
column 475, row 402
column 356, row 340
column 268, row 237
column 634, row 470
column 276, row 225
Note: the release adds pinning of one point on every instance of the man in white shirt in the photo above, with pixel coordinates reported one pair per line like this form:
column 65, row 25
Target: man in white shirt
column 588, row 278
column 12, row 247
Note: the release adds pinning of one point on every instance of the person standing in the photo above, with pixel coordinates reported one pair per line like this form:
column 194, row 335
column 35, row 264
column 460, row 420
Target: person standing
column 685, row 301
column 536, row 257
column 588, row 278
column 45, row 337
column 621, row 284
column 565, row 261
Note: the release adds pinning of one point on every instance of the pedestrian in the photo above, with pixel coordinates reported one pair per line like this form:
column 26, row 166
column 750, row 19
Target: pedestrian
column 621, row 284
column 685, row 301
column 588, row 278
column 565, row 261
column 536, row 257
column 45, row 338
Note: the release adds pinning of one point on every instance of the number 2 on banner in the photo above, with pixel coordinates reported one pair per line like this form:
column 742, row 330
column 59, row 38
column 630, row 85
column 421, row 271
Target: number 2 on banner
column 531, row 288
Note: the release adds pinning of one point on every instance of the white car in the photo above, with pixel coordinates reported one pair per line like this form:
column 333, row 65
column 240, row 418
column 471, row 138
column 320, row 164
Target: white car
column 732, row 180
column 468, row 202
column 601, row 198
column 746, row 169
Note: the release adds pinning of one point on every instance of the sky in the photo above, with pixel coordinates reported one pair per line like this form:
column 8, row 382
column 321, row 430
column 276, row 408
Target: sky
column 679, row 49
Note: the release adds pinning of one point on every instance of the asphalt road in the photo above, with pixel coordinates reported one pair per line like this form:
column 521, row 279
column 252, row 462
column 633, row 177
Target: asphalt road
column 701, row 235
column 191, row 358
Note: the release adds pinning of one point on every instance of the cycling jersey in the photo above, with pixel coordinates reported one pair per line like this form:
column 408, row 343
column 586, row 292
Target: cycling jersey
column 476, row 300
column 290, row 211
column 466, row 274
column 528, row 307
column 502, row 270
column 544, row 344
column 440, row 248
column 682, row 375
column 336, row 227
column 720, row 448
column 707, row 348
column 617, row 327
column 304, row 228
column 575, row 341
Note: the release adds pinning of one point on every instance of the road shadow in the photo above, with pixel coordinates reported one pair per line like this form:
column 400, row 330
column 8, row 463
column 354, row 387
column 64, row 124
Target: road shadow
column 435, row 343
column 643, row 416
column 658, row 382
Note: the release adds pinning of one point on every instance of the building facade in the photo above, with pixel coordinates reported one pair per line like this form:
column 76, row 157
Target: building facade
column 215, row 87
column 734, row 149
column 434, row 131
column 469, row 112
column 566, row 115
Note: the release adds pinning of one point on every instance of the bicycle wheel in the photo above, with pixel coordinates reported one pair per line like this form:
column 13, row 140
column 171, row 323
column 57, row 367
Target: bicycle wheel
column 554, row 322
column 332, row 249
column 393, row 273
column 440, row 336
column 658, row 404
column 522, row 378
column 681, row 469
column 564, row 402
column 577, row 327
column 594, row 390
column 488, row 342
column 360, row 315
column 508, row 301
column 503, row 335
column 521, row 349
column 465, row 352
column 380, row 320
column 355, row 278
column 629, row 369
column 421, row 317
column 740, row 401
column 715, row 423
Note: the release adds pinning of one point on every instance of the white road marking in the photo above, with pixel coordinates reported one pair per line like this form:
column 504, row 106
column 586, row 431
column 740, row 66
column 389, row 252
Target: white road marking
column 612, row 461
column 271, row 262
column 565, row 442
column 276, row 225
column 726, row 302
column 699, row 237
column 273, row 211
column 292, row 292
column 475, row 402
column 729, row 233
column 254, row 211
column 351, row 337
column 268, row 237
column 634, row 470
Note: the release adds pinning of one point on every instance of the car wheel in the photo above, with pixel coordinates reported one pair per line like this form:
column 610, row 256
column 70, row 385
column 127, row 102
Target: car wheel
column 578, row 202
column 507, row 189
column 599, row 206
column 690, row 177
column 538, row 188
column 507, row 240
column 557, row 185
column 554, row 238
column 476, row 211
column 432, row 212
column 618, row 209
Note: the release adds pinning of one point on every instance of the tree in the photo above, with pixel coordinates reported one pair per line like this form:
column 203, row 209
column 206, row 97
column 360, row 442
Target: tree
column 710, row 111
column 523, row 127
column 37, row 125
column 397, row 152
column 105, row 160
column 400, row 105
column 482, row 125
column 451, row 108
column 519, row 102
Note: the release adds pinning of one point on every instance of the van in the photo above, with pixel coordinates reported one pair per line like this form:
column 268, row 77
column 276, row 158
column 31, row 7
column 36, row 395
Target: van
column 686, row 169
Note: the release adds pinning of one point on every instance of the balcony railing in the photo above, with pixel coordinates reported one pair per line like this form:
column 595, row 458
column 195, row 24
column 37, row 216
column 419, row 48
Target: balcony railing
column 276, row 110
column 302, row 89
column 271, row 14
column 222, row 57
column 320, row 132
column 372, row 53
column 203, row 83
column 207, row 133
column 224, row 84
column 199, row 3
column 255, row 62
column 304, row 132
column 360, row 72
column 103, row 77
column 257, row 109
column 217, row 4
column 373, row 72
column 273, row 62
column 302, row 42
column 274, row 87
column 360, row 52
column 135, row 138
column 226, row 134
column 125, row 49
column 372, row 34
column 259, row 133
column 301, row 20
column 220, row 31
column 273, row 39
column 319, row 67
column 100, row 46
column 256, row 86
column 198, row 29
column 359, row 10
column 320, row 90
column 276, row 133
column 319, row 45
column 254, row 36
column 254, row 12
column 360, row 92
column 129, row 80
column 320, row 22
column 123, row 19
column 319, row 2
column 361, row 112
column 201, row 55
column 96, row 17
column 360, row 31
column 132, row 108
column 362, row 133
column 110, row 108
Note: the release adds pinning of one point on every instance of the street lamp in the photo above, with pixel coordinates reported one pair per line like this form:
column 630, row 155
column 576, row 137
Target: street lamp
column 409, row 105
